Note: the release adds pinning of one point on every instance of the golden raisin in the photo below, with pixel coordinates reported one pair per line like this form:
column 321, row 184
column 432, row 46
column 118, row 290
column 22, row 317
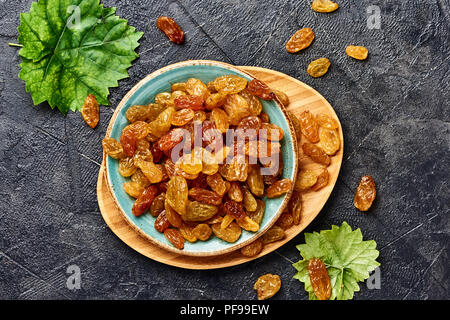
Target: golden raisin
column 365, row 193
column 324, row 6
column 253, row 248
column 302, row 39
column 319, row 67
column 171, row 29
column 90, row 111
column 357, row 52
column 267, row 286
column 320, row 280
column 305, row 180
column 329, row 141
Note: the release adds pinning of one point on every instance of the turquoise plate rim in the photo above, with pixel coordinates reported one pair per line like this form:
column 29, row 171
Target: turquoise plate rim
column 118, row 121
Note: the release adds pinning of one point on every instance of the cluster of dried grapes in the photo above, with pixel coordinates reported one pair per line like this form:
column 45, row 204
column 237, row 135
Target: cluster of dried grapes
column 303, row 38
column 323, row 141
column 212, row 188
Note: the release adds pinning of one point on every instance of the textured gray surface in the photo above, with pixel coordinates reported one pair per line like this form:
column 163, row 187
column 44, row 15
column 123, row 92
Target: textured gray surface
column 394, row 108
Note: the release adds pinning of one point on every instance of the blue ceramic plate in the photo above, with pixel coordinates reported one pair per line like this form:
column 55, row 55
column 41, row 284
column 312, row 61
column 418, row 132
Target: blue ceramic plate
column 144, row 93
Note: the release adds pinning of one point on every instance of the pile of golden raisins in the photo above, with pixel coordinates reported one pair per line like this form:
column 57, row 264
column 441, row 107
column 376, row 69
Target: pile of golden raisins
column 185, row 175
column 322, row 141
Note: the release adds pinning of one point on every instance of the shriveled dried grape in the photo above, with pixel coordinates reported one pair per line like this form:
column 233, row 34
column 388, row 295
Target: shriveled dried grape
column 296, row 124
column 255, row 181
column 133, row 189
column 190, row 163
column 220, row 119
column 236, row 108
column 199, row 115
column 113, row 148
column 279, row 188
column 322, row 180
column 157, row 205
column 186, row 231
column 142, row 204
column 295, row 207
column 198, row 211
column 329, row 141
column 161, row 222
column 319, row 67
column 216, row 183
column 302, row 39
column 196, row 87
column 227, row 219
column 320, row 280
column 316, row 154
column 202, row 231
column 175, row 237
column 254, row 104
column 177, row 194
column 175, row 95
column 90, row 111
column 137, row 113
column 161, row 125
column 283, row 97
column 215, row 100
column 327, row 122
column 163, row 98
column 210, row 135
column 305, row 180
column 260, row 89
column 151, row 171
column 171, row 29
column 285, row 221
column 168, row 141
column 230, row 84
column 249, row 201
column 258, row 214
column 252, row 249
column 143, row 151
column 365, row 193
column 178, row 86
column 127, row 167
column 140, row 178
column 155, row 110
column 205, row 196
column 270, row 131
column 189, row 102
column 309, row 126
column 357, row 52
column 182, row 117
column 171, row 215
column 230, row 234
column 237, row 170
column 324, row 6
column 128, row 142
column 274, row 234
column 249, row 127
column 234, row 209
column 210, row 165
column 267, row 286
column 235, row 192
column 248, row 224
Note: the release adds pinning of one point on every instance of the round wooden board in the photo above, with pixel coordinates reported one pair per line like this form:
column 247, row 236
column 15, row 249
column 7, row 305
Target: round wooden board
column 302, row 97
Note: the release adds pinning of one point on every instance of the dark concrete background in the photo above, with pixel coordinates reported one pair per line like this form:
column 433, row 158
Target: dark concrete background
column 394, row 108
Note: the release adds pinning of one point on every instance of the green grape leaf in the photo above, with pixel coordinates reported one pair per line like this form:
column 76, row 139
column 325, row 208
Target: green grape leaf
column 71, row 48
column 347, row 257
